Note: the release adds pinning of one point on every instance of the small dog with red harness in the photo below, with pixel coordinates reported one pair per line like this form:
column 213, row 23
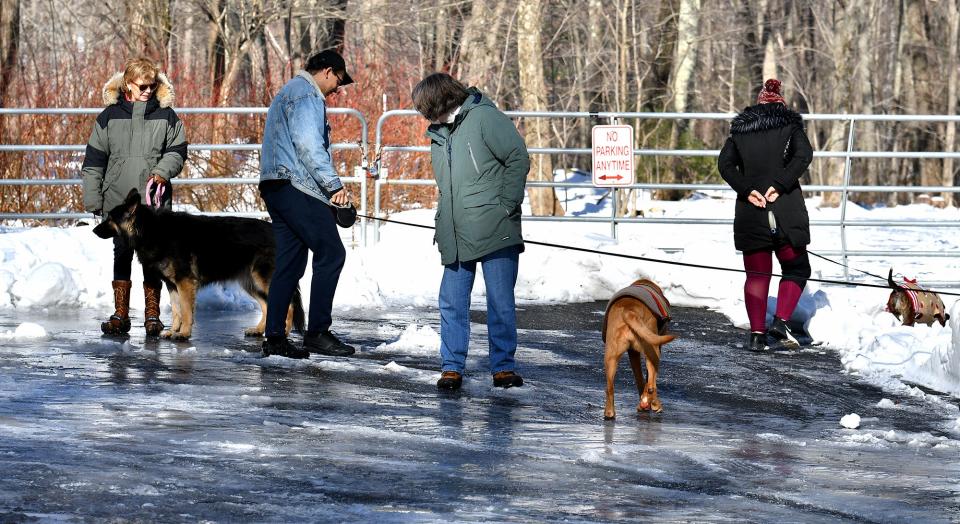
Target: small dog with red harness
column 636, row 322
column 911, row 304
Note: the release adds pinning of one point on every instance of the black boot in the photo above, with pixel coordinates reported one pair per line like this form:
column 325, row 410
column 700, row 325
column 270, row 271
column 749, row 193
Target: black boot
column 326, row 343
column 758, row 342
column 780, row 332
column 282, row 347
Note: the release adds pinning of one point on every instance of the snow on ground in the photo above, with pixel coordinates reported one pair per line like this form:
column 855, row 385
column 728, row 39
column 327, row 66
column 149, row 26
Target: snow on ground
column 50, row 267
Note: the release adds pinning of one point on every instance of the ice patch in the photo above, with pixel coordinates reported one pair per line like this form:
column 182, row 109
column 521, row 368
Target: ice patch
column 776, row 437
column 886, row 403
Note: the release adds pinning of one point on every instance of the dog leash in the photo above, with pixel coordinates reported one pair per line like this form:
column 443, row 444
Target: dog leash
column 674, row 262
column 155, row 193
column 846, row 266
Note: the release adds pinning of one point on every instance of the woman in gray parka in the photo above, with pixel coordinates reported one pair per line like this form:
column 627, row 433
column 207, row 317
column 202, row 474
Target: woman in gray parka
column 480, row 163
column 137, row 139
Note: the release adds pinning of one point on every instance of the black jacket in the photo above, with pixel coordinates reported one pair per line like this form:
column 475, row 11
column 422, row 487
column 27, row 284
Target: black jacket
column 767, row 147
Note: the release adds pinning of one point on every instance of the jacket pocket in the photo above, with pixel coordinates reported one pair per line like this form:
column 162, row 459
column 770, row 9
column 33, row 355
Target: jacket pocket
column 114, row 170
column 473, row 159
column 483, row 197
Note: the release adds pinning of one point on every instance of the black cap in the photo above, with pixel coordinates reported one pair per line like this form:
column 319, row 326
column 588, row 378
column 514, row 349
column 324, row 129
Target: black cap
column 332, row 59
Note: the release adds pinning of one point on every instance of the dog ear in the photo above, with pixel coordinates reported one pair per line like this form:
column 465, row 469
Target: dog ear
column 131, row 203
column 132, row 196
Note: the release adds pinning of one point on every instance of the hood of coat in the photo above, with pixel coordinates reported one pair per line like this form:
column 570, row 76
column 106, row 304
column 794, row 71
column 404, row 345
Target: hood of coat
column 474, row 99
column 113, row 89
column 763, row 117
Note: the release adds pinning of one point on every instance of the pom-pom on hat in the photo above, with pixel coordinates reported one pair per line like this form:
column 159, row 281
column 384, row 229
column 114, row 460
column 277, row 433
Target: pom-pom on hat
column 770, row 93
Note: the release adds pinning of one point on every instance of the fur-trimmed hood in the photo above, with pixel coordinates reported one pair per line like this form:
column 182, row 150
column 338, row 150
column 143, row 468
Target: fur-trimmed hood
column 114, row 87
column 763, row 117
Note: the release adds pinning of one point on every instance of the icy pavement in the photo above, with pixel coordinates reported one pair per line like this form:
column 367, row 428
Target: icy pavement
column 92, row 429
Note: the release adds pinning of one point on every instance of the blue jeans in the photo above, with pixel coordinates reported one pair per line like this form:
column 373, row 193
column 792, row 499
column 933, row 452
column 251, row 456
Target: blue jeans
column 301, row 223
column 500, row 277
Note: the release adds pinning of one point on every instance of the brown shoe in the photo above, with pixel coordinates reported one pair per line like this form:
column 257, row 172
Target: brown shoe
column 450, row 380
column 507, row 379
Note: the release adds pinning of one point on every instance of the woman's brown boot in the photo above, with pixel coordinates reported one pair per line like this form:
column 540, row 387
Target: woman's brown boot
column 151, row 313
column 119, row 322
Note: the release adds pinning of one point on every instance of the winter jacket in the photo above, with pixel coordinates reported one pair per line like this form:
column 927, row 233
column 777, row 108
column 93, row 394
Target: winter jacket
column 480, row 163
column 296, row 140
column 767, row 147
column 130, row 142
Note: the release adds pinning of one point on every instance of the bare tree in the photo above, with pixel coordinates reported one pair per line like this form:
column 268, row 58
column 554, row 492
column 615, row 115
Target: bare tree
column 9, row 45
column 533, row 92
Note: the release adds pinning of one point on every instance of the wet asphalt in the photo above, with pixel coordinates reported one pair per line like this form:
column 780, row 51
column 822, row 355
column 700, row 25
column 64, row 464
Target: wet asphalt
column 95, row 429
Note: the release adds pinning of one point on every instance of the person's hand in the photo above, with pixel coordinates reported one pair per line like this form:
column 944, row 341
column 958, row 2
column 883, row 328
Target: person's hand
column 341, row 198
column 757, row 199
column 157, row 180
column 771, row 195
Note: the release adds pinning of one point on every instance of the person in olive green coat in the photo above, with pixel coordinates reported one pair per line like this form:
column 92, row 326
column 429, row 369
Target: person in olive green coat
column 480, row 163
column 136, row 139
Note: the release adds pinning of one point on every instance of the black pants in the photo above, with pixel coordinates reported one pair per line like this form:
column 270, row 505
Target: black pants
column 123, row 264
column 301, row 223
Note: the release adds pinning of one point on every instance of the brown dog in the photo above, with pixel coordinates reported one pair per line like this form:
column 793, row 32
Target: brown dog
column 912, row 304
column 635, row 323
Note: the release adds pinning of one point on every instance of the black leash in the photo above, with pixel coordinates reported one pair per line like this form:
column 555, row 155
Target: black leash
column 683, row 264
column 846, row 266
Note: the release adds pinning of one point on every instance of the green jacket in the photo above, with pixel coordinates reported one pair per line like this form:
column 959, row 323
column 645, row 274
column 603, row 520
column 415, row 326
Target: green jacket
column 480, row 163
column 130, row 142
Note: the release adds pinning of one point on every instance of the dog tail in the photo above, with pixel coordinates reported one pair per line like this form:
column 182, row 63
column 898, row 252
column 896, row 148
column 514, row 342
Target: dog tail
column 299, row 319
column 643, row 332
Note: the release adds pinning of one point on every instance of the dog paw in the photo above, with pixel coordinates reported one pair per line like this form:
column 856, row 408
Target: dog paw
column 180, row 337
column 252, row 332
column 609, row 416
column 650, row 404
column 166, row 334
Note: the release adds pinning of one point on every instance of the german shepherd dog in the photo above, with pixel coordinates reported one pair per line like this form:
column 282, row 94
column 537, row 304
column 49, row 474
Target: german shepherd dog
column 191, row 251
column 635, row 323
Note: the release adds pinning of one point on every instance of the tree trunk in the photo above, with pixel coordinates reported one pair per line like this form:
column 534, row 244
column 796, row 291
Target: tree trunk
column 842, row 47
column 533, row 94
column 478, row 46
column 688, row 33
column 950, row 134
column 9, row 47
column 442, row 38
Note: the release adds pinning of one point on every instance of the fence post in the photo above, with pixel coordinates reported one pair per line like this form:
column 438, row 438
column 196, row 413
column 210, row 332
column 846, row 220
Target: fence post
column 843, row 201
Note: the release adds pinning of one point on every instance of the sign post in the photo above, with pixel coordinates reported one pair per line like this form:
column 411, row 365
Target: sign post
column 612, row 156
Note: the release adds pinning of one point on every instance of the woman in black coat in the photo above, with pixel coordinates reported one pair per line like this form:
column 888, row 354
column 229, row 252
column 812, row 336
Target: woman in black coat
column 762, row 160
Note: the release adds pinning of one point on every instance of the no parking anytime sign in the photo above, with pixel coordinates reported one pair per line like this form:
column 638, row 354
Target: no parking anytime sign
column 612, row 156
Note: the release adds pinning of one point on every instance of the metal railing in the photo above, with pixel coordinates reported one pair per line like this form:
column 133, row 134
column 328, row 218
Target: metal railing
column 845, row 188
column 359, row 172
column 380, row 173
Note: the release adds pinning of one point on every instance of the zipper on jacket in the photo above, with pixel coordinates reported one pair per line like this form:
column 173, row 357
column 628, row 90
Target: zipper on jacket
column 473, row 158
column 450, row 156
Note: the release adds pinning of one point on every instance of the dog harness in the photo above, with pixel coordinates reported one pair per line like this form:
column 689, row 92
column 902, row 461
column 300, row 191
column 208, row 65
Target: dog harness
column 650, row 296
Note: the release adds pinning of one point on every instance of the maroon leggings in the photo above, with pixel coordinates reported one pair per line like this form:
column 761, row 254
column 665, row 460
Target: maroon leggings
column 756, row 287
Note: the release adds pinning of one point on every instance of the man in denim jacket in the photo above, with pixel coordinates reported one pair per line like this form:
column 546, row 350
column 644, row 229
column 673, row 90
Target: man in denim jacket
column 298, row 184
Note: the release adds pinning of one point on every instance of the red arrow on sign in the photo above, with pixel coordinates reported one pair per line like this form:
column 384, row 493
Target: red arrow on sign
column 605, row 177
